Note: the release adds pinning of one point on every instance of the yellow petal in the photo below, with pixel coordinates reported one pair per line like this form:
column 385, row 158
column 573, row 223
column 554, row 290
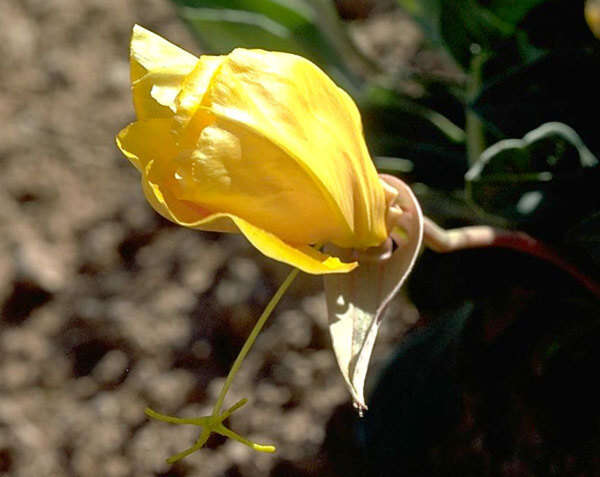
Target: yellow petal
column 158, row 70
column 290, row 101
column 232, row 169
column 147, row 140
column 302, row 257
column 194, row 87
column 151, row 146
column 257, row 142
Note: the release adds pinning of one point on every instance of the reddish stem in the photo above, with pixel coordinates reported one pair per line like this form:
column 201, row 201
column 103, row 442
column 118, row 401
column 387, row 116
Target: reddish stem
column 479, row 236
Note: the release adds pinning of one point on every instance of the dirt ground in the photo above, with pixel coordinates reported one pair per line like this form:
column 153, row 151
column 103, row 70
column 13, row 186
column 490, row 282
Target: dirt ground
column 106, row 308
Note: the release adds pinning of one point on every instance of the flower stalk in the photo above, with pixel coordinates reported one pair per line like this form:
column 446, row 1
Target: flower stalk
column 214, row 422
column 252, row 338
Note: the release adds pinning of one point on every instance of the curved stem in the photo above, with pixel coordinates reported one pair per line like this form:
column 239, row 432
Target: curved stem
column 252, row 338
column 197, row 446
column 479, row 236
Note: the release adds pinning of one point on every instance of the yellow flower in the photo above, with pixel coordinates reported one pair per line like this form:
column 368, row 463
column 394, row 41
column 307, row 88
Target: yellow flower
column 592, row 16
column 257, row 142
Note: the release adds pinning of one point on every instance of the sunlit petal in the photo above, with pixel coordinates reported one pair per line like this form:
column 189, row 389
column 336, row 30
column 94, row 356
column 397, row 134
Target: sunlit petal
column 158, row 70
column 232, row 169
column 254, row 142
column 290, row 101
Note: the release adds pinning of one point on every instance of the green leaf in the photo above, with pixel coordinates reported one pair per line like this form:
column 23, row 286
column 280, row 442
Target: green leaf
column 513, row 11
column 544, row 179
column 585, row 236
column 468, row 27
column 557, row 87
column 499, row 27
column 417, row 400
column 396, row 126
column 295, row 26
column 558, row 24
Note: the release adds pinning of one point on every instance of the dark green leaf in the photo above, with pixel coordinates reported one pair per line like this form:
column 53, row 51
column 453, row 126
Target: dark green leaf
column 558, row 24
column 544, row 179
column 557, row 87
column 417, row 399
column 495, row 27
column 512, row 11
column 586, row 237
column 467, row 27
column 396, row 126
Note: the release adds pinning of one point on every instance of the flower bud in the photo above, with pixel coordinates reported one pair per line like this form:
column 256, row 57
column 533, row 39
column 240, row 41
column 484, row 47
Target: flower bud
column 257, row 142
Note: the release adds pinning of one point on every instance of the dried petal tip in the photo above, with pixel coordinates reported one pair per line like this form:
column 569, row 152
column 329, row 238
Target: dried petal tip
column 360, row 408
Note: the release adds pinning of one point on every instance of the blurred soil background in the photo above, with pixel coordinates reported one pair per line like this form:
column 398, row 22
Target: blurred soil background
column 106, row 308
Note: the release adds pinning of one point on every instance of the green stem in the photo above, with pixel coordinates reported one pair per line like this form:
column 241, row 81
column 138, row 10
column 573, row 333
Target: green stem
column 473, row 126
column 252, row 338
column 197, row 446
column 220, row 429
column 196, row 421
